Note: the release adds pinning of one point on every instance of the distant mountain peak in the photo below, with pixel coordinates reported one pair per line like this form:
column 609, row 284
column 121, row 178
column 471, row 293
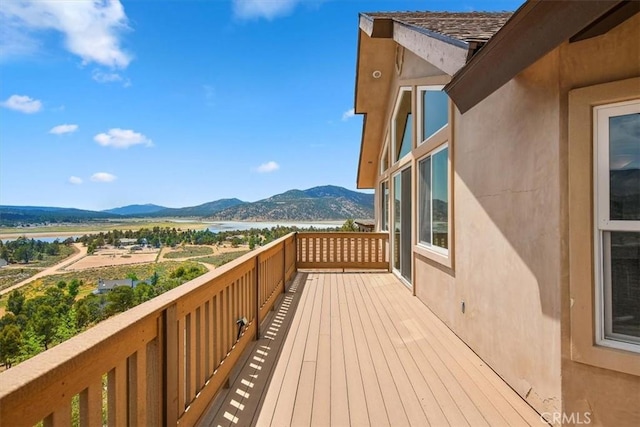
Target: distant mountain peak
column 135, row 209
column 328, row 202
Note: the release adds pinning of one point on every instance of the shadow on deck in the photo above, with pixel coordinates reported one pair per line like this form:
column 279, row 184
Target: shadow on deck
column 358, row 349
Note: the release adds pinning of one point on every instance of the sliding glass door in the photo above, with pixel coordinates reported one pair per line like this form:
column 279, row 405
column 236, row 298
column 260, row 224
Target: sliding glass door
column 402, row 224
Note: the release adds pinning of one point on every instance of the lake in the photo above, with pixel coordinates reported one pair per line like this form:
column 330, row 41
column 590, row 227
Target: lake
column 222, row 226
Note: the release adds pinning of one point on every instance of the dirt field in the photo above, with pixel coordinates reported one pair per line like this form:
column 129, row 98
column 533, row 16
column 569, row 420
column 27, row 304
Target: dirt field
column 112, row 256
column 217, row 250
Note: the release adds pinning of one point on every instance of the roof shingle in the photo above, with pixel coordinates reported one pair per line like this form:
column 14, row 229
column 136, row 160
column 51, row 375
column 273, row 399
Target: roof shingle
column 462, row 26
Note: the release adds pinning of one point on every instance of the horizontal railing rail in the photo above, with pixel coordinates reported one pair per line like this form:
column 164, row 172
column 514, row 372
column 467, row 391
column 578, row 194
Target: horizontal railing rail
column 162, row 362
column 158, row 363
column 342, row 250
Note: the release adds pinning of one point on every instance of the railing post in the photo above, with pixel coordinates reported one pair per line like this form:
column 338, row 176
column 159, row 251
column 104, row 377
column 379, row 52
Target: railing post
column 284, row 266
column 170, row 341
column 257, row 287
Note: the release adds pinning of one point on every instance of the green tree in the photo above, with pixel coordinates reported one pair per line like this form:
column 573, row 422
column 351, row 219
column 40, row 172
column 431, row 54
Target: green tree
column 10, row 342
column 23, row 253
column 74, row 288
column 88, row 310
column 91, row 248
column 31, row 345
column 119, row 299
column 177, row 273
column 143, row 292
column 67, row 327
column 4, row 253
column 15, row 303
column 349, row 225
column 154, row 278
column 45, row 323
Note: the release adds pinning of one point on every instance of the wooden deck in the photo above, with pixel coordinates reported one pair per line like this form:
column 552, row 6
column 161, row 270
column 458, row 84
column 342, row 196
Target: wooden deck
column 360, row 350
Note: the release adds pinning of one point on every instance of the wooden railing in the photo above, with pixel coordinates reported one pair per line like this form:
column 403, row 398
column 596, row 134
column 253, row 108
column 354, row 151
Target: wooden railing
column 342, row 250
column 159, row 363
column 162, row 362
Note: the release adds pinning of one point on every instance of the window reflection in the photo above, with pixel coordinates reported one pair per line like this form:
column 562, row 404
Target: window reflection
column 624, row 167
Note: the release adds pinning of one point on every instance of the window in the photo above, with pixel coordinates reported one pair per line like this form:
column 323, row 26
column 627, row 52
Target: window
column 617, row 233
column 433, row 110
column 402, row 253
column 384, row 161
column 433, row 188
column 402, row 125
column 384, row 209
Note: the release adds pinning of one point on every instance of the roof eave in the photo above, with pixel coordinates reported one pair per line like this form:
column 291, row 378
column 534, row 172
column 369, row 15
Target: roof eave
column 443, row 52
column 534, row 30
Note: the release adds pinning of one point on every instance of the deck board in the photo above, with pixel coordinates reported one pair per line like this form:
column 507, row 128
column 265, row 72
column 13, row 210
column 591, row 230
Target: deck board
column 361, row 350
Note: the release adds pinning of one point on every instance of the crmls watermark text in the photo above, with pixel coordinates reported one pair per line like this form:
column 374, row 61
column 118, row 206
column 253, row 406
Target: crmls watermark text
column 561, row 418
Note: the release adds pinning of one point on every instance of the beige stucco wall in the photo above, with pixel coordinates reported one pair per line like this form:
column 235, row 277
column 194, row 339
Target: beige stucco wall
column 507, row 228
column 612, row 397
column 511, row 230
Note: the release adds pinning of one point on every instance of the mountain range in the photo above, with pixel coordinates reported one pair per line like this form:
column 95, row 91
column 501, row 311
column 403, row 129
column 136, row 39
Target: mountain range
column 319, row 203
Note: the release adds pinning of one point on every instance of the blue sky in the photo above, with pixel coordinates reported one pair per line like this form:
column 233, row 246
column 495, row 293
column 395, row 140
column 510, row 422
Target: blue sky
column 177, row 103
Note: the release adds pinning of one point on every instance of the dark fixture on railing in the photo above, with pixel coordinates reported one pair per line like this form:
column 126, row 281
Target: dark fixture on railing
column 241, row 322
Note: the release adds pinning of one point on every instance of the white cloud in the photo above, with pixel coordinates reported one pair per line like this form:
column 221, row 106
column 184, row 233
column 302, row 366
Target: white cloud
column 91, row 29
column 62, row 129
column 102, row 77
column 122, row 138
column 22, row 103
column 109, row 77
column 268, row 167
column 75, row 180
column 103, row 177
column 269, row 9
column 348, row 114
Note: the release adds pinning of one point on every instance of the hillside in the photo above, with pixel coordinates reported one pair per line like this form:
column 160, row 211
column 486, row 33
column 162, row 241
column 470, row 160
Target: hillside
column 203, row 210
column 11, row 215
column 135, row 209
column 318, row 203
column 315, row 204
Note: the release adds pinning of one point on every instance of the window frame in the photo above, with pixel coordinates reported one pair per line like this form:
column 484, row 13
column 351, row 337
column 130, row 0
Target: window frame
column 444, row 252
column 384, row 155
column 394, row 143
column 580, row 196
column 419, row 91
column 384, row 206
column 603, row 222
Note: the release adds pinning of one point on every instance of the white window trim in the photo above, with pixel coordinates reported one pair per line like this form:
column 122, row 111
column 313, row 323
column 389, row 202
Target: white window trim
column 420, row 138
column 392, row 224
column 431, row 247
column 392, row 154
column 385, row 152
column 603, row 223
column 382, row 205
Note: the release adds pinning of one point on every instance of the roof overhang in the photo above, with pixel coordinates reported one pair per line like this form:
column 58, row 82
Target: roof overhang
column 377, row 42
column 534, row 30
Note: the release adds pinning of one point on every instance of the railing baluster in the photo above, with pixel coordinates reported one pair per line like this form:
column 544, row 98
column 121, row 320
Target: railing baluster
column 61, row 417
column 91, row 404
column 117, row 395
column 172, row 366
column 217, row 330
column 209, row 339
column 181, row 366
column 200, row 347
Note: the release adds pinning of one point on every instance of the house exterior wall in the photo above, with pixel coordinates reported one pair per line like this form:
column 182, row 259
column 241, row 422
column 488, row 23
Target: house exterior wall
column 509, row 260
column 507, row 235
column 604, row 382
